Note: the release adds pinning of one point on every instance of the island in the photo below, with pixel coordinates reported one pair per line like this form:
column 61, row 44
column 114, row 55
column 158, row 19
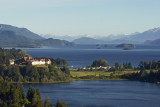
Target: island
column 126, row 46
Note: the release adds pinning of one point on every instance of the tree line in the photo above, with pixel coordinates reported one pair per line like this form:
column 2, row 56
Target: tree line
column 149, row 72
column 29, row 73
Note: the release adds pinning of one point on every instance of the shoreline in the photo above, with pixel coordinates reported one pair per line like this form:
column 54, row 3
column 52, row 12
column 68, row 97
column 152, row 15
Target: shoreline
column 57, row 82
column 65, row 82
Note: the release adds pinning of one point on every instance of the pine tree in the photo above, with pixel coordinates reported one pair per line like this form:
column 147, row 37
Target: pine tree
column 30, row 93
column 47, row 102
column 60, row 104
column 38, row 94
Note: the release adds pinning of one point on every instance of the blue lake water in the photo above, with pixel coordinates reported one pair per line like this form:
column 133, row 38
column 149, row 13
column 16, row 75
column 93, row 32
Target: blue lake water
column 82, row 55
column 102, row 93
column 98, row 93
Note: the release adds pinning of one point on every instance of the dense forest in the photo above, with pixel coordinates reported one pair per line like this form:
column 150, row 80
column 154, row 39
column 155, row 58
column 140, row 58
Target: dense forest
column 28, row 73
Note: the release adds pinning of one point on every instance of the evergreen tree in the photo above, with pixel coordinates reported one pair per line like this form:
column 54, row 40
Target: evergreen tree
column 130, row 65
column 36, row 102
column 60, row 104
column 30, row 93
column 47, row 103
column 38, row 94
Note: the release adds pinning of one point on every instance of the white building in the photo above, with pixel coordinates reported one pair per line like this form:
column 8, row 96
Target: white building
column 29, row 60
column 11, row 61
column 40, row 62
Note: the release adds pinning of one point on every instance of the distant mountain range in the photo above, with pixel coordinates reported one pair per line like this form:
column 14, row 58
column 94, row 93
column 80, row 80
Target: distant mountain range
column 87, row 40
column 65, row 37
column 11, row 36
column 151, row 36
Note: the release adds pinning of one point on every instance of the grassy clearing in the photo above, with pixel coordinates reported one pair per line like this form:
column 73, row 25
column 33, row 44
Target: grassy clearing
column 99, row 74
column 87, row 73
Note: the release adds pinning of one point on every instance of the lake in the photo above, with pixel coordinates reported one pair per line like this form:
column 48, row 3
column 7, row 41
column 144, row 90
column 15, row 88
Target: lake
column 102, row 93
column 82, row 55
column 98, row 93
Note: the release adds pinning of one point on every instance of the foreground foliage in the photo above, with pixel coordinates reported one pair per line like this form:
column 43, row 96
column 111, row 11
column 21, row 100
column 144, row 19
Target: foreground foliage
column 14, row 96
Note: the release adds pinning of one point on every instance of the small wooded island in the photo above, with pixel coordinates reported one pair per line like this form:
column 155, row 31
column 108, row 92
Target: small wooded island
column 126, row 46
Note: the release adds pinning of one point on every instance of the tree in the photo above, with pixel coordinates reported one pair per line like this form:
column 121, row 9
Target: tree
column 61, row 62
column 117, row 66
column 100, row 62
column 30, row 93
column 38, row 94
column 130, row 65
column 66, row 70
column 47, row 103
column 60, row 104
column 36, row 102
column 19, row 87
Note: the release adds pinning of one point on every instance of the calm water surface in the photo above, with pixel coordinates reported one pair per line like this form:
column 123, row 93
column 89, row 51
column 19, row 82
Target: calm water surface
column 102, row 93
column 80, row 56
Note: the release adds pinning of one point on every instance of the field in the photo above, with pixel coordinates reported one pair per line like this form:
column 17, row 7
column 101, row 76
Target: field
column 97, row 74
column 86, row 73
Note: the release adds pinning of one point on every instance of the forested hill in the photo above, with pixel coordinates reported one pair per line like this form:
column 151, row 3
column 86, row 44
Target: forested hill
column 11, row 36
column 29, row 73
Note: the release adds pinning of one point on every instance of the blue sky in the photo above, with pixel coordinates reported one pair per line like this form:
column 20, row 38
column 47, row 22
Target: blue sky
column 79, row 17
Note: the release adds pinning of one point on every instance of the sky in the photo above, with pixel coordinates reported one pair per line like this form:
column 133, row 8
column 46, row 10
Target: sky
column 81, row 17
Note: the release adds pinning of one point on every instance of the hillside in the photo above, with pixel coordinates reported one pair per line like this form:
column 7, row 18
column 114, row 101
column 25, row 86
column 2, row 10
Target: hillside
column 151, row 34
column 155, row 42
column 11, row 36
column 53, row 42
column 11, row 39
column 20, row 31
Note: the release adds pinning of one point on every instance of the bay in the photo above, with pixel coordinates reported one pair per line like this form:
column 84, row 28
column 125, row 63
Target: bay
column 102, row 93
